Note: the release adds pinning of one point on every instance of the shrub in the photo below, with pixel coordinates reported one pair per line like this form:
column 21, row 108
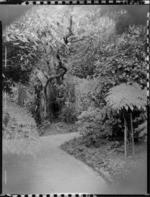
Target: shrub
column 91, row 125
column 69, row 114
column 96, row 124
column 19, row 130
column 141, row 132
column 17, row 122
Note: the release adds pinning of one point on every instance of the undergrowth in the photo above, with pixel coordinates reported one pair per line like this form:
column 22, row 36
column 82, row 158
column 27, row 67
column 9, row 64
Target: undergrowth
column 107, row 159
column 20, row 134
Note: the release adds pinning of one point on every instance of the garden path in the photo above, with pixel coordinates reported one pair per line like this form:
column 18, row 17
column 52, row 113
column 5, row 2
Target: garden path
column 51, row 171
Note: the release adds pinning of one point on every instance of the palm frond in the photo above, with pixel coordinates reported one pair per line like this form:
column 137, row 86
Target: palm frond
column 127, row 96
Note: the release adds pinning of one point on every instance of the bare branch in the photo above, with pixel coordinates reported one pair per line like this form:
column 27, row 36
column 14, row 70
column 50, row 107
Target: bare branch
column 70, row 33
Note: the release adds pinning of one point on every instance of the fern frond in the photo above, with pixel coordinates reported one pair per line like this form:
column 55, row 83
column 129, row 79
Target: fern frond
column 127, row 96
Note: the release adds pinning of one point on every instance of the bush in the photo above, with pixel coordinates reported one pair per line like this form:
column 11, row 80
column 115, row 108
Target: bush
column 17, row 122
column 91, row 125
column 20, row 134
column 141, row 132
column 69, row 114
column 96, row 124
column 139, row 125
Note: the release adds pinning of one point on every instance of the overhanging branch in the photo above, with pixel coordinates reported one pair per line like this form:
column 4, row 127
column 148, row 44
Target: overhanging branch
column 64, row 69
column 55, row 76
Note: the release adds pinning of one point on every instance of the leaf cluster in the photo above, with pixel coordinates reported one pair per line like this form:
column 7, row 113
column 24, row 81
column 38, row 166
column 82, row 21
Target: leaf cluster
column 126, row 96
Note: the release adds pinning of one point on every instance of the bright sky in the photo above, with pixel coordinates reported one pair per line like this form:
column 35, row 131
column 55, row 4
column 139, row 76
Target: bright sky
column 8, row 13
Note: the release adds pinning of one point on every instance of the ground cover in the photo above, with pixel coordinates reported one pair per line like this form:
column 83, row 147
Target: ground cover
column 107, row 159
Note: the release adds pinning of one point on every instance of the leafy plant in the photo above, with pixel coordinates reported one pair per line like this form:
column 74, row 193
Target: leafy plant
column 141, row 131
column 18, row 127
column 75, row 58
column 98, row 123
column 68, row 113
column 126, row 97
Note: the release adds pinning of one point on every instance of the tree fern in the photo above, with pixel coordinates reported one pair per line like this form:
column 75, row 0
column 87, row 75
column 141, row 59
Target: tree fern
column 127, row 97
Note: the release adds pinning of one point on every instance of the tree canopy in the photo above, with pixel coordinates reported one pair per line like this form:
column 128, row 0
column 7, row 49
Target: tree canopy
column 81, row 60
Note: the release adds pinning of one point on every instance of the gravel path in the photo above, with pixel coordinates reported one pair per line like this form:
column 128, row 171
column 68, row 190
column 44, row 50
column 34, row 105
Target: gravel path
column 52, row 171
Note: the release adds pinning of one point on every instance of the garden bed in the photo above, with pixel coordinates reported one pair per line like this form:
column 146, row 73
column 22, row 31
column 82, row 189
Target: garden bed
column 109, row 162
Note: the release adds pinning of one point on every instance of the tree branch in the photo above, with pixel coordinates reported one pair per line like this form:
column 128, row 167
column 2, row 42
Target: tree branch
column 64, row 69
column 55, row 76
column 70, row 33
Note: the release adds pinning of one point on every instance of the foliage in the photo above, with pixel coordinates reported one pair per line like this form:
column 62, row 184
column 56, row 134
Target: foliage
column 86, row 92
column 20, row 124
column 121, row 61
column 111, row 69
column 67, row 89
column 21, row 146
column 29, row 97
column 141, row 131
column 95, row 124
column 108, row 161
column 29, row 49
column 127, row 96
column 91, row 31
column 19, row 129
column 30, row 101
column 105, row 61
column 68, row 114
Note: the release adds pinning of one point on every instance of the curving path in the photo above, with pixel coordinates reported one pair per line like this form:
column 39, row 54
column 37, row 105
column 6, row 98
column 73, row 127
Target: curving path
column 52, row 171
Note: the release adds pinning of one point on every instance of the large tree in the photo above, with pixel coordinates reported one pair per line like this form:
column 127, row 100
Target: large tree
column 50, row 41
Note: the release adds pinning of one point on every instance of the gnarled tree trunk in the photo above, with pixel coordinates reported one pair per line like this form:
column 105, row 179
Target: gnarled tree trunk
column 49, row 101
column 58, row 76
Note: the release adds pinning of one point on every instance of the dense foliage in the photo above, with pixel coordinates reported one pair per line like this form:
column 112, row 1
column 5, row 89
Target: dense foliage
column 19, row 130
column 71, row 61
